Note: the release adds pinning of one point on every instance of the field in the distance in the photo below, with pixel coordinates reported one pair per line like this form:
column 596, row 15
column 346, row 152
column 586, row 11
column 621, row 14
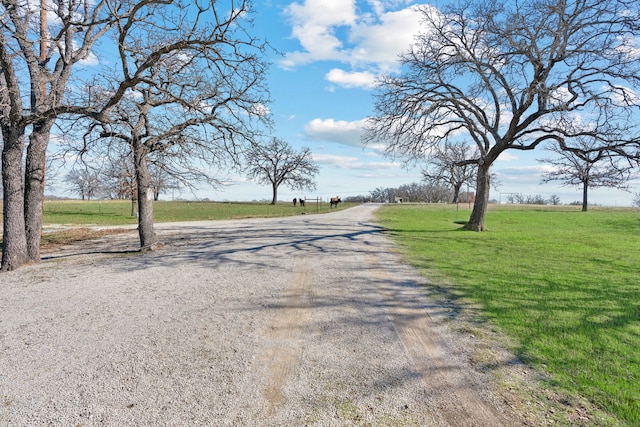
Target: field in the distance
column 119, row 212
column 564, row 284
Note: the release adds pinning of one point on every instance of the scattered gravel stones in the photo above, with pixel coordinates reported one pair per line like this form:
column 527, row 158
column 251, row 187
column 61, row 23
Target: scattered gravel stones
column 308, row 320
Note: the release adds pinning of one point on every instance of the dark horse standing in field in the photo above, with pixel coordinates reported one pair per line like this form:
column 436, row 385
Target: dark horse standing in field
column 334, row 202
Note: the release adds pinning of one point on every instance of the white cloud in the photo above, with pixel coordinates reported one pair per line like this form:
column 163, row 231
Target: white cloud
column 314, row 25
column 351, row 162
column 506, row 157
column 341, row 131
column 90, row 60
column 338, row 30
column 521, row 174
column 351, row 79
column 381, row 43
column 322, row 13
column 261, row 110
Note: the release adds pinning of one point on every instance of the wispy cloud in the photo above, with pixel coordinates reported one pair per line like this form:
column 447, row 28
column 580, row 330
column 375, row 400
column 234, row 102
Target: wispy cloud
column 340, row 131
column 351, row 162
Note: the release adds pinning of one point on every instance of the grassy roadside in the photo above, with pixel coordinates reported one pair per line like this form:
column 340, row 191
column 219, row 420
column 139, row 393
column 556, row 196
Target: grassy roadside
column 72, row 220
column 563, row 284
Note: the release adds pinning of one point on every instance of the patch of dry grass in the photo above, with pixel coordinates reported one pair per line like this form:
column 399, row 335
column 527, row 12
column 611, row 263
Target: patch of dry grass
column 65, row 237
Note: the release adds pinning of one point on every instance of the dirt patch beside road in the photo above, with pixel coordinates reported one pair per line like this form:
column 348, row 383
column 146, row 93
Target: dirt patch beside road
column 309, row 320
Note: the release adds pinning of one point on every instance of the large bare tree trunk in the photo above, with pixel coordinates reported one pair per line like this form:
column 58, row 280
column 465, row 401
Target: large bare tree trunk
column 585, row 191
column 148, row 238
column 476, row 221
column 14, row 242
column 35, row 186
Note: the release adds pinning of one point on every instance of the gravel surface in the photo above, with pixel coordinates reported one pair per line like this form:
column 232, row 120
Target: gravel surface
column 308, row 320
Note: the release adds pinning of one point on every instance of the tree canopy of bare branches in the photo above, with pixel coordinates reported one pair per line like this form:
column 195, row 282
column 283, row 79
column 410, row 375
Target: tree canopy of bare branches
column 187, row 82
column 511, row 76
column 188, row 98
column 448, row 165
column 586, row 166
column 276, row 163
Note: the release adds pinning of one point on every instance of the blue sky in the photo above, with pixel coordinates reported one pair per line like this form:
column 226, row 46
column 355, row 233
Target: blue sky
column 321, row 86
column 322, row 92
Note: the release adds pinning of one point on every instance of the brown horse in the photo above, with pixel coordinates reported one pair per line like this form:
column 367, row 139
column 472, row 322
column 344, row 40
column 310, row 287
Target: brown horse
column 334, row 202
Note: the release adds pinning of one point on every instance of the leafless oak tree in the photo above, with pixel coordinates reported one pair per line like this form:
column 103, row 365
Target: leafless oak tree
column 587, row 166
column 511, row 76
column 193, row 81
column 36, row 61
column 276, row 163
column 194, row 61
column 84, row 182
column 449, row 165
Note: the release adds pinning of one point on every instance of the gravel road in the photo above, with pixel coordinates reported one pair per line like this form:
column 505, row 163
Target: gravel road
column 307, row 320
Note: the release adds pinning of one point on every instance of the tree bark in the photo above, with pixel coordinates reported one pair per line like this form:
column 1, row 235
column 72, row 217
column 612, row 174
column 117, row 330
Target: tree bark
column 146, row 232
column 585, row 191
column 476, row 221
column 14, row 241
column 35, row 186
column 274, row 200
column 456, row 193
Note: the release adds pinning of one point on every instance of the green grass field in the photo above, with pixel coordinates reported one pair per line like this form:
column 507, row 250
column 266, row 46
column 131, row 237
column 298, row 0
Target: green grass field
column 564, row 284
column 118, row 212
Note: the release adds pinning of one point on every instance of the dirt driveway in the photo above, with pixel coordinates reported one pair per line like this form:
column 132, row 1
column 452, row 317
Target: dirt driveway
column 308, row 320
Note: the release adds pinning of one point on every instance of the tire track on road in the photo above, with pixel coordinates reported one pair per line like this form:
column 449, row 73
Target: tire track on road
column 284, row 337
column 444, row 375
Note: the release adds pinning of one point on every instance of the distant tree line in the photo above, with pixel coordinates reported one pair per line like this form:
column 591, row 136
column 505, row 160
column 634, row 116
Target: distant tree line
column 521, row 199
column 415, row 192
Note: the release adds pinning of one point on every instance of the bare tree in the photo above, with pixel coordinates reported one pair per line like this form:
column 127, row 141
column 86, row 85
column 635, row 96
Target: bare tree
column 161, row 181
column 36, row 74
column 587, row 166
column 189, row 94
column 449, row 165
column 554, row 200
column 189, row 41
column 512, row 75
column 84, row 182
column 379, row 195
column 527, row 199
column 276, row 163
column 117, row 173
column 429, row 192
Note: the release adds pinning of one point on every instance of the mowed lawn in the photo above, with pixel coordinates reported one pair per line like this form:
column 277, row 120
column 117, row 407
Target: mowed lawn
column 564, row 284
